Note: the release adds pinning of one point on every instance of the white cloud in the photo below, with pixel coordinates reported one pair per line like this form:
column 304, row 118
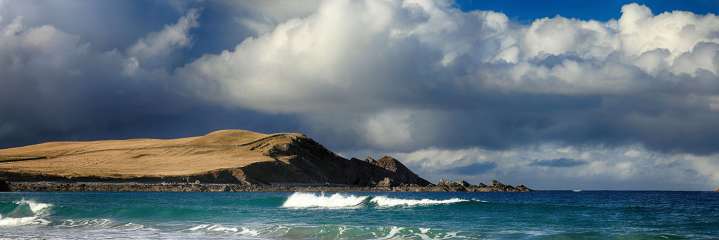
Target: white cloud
column 628, row 167
column 389, row 128
column 157, row 46
column 330, row 52
column 371, row 56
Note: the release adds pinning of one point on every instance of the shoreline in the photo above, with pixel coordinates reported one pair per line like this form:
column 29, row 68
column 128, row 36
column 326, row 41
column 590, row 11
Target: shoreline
column 60, row 186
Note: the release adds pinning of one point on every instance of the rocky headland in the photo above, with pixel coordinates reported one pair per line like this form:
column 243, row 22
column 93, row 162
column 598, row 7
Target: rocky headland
column 226, row 160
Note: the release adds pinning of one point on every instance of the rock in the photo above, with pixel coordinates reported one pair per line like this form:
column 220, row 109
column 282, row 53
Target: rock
column 4, row 185
column 399, row 172
column 522, row 188
column 452, row 186
column 386, row 182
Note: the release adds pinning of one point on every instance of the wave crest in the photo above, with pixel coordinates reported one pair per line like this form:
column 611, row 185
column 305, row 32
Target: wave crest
column 382, row 201
column 311, row 200
column 20, row 215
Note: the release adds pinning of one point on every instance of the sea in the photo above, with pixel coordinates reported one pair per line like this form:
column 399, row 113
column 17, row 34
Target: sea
column 360, row 215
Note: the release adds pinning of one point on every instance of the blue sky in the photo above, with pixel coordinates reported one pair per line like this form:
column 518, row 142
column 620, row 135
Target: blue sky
column 527, row 11
column 506, row 91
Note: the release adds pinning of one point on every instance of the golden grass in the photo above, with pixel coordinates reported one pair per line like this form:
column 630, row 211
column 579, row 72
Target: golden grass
column 143, row 157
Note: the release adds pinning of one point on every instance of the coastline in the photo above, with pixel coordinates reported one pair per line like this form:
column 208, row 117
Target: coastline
column 58, row 186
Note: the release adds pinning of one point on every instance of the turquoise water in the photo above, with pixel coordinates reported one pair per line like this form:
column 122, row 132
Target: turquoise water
column 535, row 215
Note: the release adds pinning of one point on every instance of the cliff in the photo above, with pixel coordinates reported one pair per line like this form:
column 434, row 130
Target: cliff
column 226, row 156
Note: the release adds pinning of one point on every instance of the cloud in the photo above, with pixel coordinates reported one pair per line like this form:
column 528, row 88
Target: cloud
column 569, row 167
column 262, row 16
column 472, row 169
column 478, row 77
column 157, row 46
column 56, row 85
column 559, row 162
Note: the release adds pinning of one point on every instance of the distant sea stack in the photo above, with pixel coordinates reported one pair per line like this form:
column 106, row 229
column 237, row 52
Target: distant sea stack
column 226, row 160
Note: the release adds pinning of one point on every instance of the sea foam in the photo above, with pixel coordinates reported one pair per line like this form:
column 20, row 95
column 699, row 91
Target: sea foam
column 311, row 200
column 37, row 209
column 224, row 229
column 382, row 201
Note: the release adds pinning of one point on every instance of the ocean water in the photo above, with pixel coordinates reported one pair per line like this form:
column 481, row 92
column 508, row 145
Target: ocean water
column 535, row 215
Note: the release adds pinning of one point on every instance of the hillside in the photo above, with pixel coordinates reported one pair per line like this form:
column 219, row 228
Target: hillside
column 226, row 156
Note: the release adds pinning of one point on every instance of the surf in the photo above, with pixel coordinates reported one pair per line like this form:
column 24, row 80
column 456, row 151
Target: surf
column 26, row 212
column 382, row 201
column 340, row 200
column 312, row 200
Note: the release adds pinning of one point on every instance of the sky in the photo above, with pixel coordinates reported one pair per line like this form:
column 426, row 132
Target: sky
column 554, row 94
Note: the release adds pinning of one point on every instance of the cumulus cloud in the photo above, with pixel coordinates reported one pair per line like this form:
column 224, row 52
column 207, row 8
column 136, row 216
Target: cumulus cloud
column 625, row 80
column 157, row 46
column 550, row 166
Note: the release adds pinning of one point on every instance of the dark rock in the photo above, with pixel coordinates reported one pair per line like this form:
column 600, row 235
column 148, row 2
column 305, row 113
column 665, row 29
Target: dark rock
column 452, row 186
column 4, row 185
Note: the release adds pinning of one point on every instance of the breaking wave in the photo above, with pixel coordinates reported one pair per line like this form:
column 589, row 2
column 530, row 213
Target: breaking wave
column 311, row 200
column 26, row 212
column 395, row 202
column 339, row 200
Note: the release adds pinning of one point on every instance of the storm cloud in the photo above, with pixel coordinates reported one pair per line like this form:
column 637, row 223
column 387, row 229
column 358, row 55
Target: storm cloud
column 422, row 79
column 558, row 162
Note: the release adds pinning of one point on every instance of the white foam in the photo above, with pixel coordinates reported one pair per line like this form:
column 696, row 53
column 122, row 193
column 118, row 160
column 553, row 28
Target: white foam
column 13, row 222
column 392, row 233
column 224, row 229
column 382, row 201
column 311, row 200
column 71, row 223
column 35, row 207
column 132, row 227
column 249, row 232
column 220, row 228
column 198, row 227
column 38, row 210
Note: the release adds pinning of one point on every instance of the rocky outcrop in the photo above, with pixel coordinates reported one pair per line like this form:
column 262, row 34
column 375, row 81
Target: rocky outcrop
column 463, row 186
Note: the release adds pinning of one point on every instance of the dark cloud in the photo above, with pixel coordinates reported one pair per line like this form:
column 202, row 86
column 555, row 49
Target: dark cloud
column 559, row 162
column 473, row 169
